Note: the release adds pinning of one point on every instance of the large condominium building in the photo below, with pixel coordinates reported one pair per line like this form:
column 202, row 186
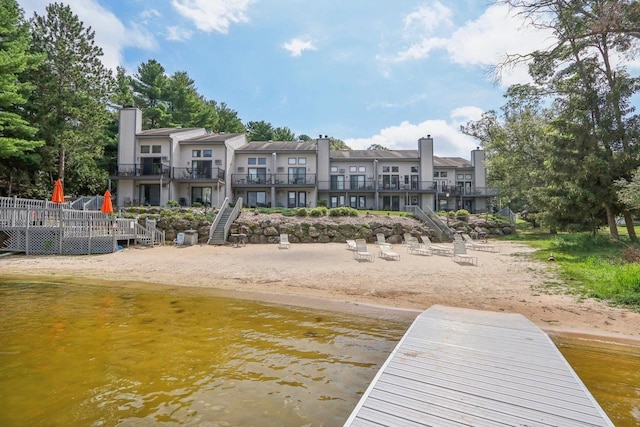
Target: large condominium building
column 190, row 165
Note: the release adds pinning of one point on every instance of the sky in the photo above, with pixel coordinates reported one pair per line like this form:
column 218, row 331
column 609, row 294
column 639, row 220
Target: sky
column 363, row 71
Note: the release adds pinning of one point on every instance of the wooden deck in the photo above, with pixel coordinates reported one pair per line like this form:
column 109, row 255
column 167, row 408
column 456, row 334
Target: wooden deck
column 462, row 367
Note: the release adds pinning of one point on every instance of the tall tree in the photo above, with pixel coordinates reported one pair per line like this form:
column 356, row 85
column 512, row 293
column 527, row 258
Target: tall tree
column 337, row 144
column 591, row 95
column 70, row 99
column 150, row 86
column 283, row 134
column 17, row 143
column 379, row 147
column 227, row 120
column 260, row 131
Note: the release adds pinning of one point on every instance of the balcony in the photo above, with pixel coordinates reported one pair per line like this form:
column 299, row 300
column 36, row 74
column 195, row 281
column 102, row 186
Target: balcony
column 277, row 180
column 142, row 171
column 191, row 174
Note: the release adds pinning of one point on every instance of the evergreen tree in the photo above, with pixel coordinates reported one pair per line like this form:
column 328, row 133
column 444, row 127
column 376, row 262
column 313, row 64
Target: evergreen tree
column 150, row 88
column 69, row 102
column 17, row 142
column 260, row 131
column 283, row 134
column 227, row 120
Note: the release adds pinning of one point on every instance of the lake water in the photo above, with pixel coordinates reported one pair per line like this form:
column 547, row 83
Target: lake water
column 80, row 354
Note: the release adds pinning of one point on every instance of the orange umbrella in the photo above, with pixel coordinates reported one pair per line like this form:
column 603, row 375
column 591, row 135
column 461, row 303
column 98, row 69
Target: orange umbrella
column 107, row 206
column 58, row 194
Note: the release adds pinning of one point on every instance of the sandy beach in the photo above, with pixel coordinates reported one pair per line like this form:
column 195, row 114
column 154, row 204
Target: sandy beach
column 319, row 274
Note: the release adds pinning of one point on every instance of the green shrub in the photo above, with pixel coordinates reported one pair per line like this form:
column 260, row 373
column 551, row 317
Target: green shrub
column 462, row 215
column 197, row 205
column 318, row 212
column 322, row 203
column 288, row 212
column 343, row 211
column 172, row 204
column 301, row 212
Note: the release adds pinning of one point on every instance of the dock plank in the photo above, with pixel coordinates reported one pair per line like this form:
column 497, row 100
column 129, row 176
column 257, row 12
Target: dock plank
column 463, row 367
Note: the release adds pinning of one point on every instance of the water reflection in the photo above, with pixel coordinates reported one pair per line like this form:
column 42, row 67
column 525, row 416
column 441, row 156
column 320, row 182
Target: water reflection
column 99, row 356
column 611, row 372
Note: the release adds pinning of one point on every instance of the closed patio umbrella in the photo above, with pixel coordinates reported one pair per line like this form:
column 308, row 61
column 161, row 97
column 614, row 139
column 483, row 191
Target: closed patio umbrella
column 107, row 206
column 58, row 194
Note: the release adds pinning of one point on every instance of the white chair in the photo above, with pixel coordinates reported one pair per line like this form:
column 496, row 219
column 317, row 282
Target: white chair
column 361, row 252
column 284, row 241
column 460, row 254
column 387, row 253
column 417, row 249
column 351, row 245
column 437, row 249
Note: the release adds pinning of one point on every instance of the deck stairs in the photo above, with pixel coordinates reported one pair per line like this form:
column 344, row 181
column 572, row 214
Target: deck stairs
column 219, row 230
column 434, row 222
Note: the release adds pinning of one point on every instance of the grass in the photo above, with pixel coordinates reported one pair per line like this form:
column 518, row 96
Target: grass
column 590, row 265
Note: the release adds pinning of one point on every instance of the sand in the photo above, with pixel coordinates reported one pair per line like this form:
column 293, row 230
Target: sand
column 327, row 274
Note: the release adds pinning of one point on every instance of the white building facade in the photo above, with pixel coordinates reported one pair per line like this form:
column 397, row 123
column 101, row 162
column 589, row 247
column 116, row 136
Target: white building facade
column 193, row 166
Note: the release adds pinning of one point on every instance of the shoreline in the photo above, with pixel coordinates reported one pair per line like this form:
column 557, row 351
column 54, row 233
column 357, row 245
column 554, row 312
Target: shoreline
column 326, row 276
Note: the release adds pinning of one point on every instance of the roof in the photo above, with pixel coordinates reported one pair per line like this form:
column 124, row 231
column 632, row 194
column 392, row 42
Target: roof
column 374, row 154
column 279, row 146
column 210, row 137
column 451, row 162
column 165, row 131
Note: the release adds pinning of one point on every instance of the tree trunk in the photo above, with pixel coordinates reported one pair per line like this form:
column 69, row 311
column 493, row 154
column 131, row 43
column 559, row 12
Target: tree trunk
column 61, row 155
column 613, row 228
column 628, row 219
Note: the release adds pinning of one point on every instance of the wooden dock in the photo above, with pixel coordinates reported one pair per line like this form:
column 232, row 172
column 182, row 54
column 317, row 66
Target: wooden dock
column 462, row 367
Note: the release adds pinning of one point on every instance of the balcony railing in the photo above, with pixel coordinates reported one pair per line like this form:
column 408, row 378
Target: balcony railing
column 181, row 174
column 189, row 174
column 278, row 180
column 143, row 170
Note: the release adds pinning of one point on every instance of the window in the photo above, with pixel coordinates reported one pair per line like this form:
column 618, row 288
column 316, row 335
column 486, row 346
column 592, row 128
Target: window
column 297, row 175
column 262, row 160
column 386, row 169
column 256, row 199
column 252, row 161
column 436, row 174
column 302, row 160
column 257, row 176
column 353, row 169
column 443, row 174
column 460, row 176
column 334, row 169
column 414, row 169
column 467, row 176
column 362, row 169
column 156, row 149
column 144, row 149
column 337, row 182
column 207, row 153
column 291, row 161
column 394, row 168
column 195, row 153
column 357, row 182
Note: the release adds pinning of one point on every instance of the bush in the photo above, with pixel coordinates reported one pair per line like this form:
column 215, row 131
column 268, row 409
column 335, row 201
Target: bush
column 322, row 203
column 172, row 204
column 462, row 215
column 301, row 212
column 343, row 211
column 318, row 212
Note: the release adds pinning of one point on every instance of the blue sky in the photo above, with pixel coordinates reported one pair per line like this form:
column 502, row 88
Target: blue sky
column 364, row 71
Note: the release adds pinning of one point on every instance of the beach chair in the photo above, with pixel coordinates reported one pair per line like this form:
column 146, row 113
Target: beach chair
column 416, row 248
column 284, row 241
column 460, row 254
column 351, row 245
column 408, row 237
column 479, row 246
column 437, row 249
column 381, row 240
column 361, row 252
column 387, row 253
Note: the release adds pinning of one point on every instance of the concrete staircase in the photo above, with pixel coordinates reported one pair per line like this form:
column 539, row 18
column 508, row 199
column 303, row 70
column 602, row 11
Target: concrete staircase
column 218, row 235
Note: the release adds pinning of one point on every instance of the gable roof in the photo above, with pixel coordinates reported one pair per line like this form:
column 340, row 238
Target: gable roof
column 165, row 131
column 374, row 154
column 210, row 137
column 270, row 146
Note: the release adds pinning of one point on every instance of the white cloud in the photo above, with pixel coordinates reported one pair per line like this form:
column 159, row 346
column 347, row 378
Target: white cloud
column 448, row 141
column 296, row 46
column 110, row 33
column 213, row 15
column 483, row 42
column 426, row 19
column 178, row 34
